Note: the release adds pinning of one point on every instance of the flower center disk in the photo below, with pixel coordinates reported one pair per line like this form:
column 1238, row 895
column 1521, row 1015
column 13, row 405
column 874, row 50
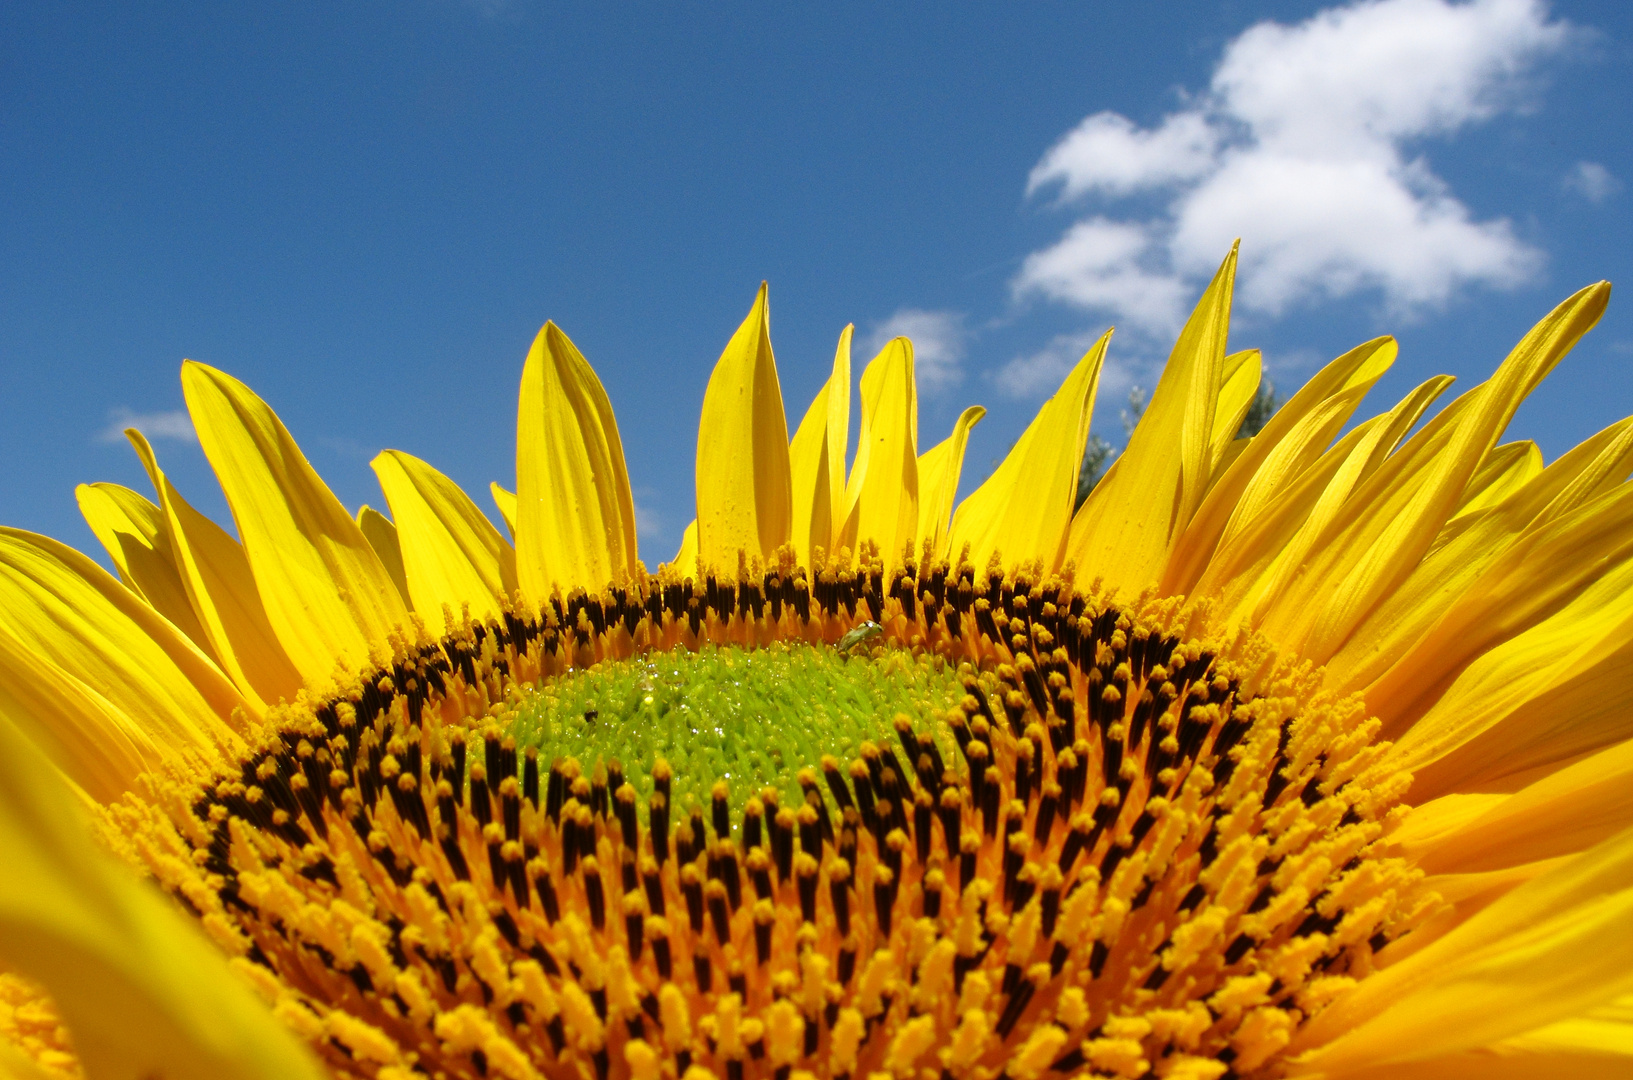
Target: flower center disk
column 1018, row 831
column 750, row 717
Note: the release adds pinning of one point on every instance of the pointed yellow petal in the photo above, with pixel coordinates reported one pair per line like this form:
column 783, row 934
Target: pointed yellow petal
column 685, row 559
column 744, row 492
column 816, row 459
column 136, row 537
column 221, row 590
column 939, row 470
column 327, row 597
column 1561, row 814
column 1508, row 468
column 1315, row 501
column 1024, row 509
column 1602, row 1037
column 1545, row 952
column 885, row 476
column 98, row 748
column 143, row 992
column 70, row 613
column 1381, row 537
column 575, row 517
column 1438, row 593
column 1290, row 443
column 1239, row 385
column 506, row 502
column 1546, row 695
column 451, row 554
column 1133, row 519
column 381, row 534
column 1542, row 695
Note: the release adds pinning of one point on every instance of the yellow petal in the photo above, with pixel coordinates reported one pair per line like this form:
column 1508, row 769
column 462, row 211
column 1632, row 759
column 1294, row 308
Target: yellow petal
column 1603, row 1034
column 816, row 459
column 1545, row 952
column 1378, row 540
column 1508, row 468
column 221, row 590
column 1133, row 519
column 451, row 553
column 143, row 992
column 1290, row 442
column 327, row 597
column 744, row 493
column 1530, row 580
column 98, row 748
column 506, row 502
column 685, row 559
column 1545, row 696
column 575, row 517
column 381, row 534
column 1024, row 509
column 137, row 539
column 939, row 470
column 1277, row 544
column 1472, row 591
column 1238, row 386
column 71, row 613
column 1598, row 1045
column 1561, row 814
column 884, row 481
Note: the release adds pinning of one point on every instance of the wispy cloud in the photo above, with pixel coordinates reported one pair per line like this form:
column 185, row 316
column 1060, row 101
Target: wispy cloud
column 1592, row 181
column 1303, row 144
column 175, row 425
column 938, row 339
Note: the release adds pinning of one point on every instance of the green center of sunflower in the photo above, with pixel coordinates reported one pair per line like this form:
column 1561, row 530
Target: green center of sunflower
column 751, row 717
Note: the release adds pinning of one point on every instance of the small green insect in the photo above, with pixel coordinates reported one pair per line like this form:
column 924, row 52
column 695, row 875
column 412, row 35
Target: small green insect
column 865, row 632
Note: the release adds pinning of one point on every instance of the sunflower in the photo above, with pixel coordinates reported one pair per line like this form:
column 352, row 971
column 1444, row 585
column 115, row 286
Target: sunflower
column 1304, row 754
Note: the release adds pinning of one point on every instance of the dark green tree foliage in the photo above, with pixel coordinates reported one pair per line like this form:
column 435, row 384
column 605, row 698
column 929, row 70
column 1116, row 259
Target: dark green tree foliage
column 1265, row 404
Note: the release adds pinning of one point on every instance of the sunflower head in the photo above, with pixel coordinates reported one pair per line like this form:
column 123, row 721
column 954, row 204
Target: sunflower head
column 864, row 783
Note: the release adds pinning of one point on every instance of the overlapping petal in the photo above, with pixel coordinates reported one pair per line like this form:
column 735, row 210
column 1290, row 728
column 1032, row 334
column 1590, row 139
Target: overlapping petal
column 939, row 471
column 134, row 533
column 452, row 556
column 816, row 460
column 327, row 597
column 381, row 533
column 1024, row 509
column 1383, row 532
column 1131, row 522
column 222, row 593
column 71, row 614
column 884, row 483
column 575, row 517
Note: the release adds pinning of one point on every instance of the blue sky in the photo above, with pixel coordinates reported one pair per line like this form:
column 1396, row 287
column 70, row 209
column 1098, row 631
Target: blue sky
column 366, row 211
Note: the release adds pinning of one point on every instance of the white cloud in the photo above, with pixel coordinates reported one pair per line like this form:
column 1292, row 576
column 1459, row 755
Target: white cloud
column 938, row 345
column 175, row 425
column 1107, row 265
column 1592, row 181
column 1041, row 373
column 1305, row 145
column 1107, row 153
